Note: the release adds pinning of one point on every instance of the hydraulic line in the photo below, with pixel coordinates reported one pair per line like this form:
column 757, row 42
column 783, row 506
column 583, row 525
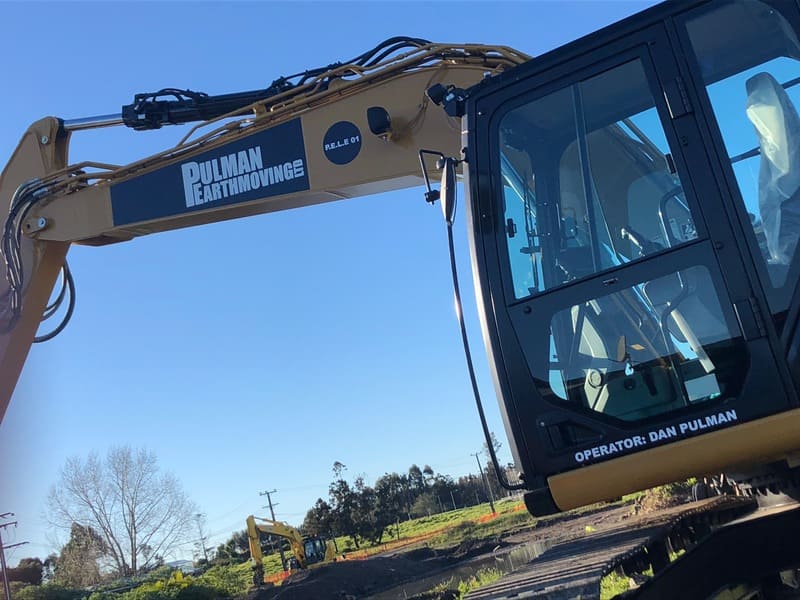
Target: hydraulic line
column 431, row 196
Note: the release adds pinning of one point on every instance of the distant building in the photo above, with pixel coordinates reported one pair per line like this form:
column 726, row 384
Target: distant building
column 185, row 566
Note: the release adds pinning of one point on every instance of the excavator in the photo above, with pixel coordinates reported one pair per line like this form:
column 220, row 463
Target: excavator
column 306, row 550
column 633, row 211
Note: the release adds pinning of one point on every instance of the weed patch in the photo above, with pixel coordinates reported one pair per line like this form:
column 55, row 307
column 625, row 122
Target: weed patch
column 613, row 584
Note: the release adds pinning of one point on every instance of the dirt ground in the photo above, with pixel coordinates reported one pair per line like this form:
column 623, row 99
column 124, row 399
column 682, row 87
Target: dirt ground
column 349, row 580
column 353, row 580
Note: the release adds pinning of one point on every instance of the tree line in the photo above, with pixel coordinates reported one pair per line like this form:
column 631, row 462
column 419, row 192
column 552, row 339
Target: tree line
column 124, row 514
column 366, row 513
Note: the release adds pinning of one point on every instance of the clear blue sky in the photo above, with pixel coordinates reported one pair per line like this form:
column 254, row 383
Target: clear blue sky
column 248, row 355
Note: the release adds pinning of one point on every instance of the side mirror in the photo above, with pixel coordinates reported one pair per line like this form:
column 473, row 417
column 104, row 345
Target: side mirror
column 624, row 356
column 447, row 189
column 379, row 121
column 622, row 349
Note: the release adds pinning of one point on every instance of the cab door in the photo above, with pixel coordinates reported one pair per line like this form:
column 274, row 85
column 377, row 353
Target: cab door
column 620, row 302
column 747, row 79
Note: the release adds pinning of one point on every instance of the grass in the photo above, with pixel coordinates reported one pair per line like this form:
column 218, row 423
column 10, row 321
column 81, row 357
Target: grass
column 616, row 583
column 478, row 531
column 482, row 578
column 457, row 590
column 438, row 531
column 436, row 523
column 613, row 584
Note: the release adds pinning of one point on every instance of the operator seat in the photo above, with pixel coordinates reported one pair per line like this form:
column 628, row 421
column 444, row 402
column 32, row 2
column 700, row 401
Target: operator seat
column 777, row 125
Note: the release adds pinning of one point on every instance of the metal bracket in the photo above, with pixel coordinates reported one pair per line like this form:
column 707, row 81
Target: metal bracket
column 34, row 225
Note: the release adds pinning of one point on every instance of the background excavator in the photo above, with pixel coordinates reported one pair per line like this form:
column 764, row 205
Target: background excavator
column 306, row 550
column 636, row 284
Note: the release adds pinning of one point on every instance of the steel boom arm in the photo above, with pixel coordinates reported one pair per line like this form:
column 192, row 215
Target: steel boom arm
column 350, row 132
column 276, row 528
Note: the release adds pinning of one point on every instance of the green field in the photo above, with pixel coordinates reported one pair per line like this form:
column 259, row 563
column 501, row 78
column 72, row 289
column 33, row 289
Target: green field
column 441, row 530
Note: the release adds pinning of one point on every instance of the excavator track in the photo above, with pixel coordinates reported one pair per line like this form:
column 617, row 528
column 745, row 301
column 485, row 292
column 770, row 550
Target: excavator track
column 573, row 568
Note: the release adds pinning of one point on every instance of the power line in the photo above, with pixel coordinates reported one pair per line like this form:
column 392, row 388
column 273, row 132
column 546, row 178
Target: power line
column 311, row 486
column 228, row 529
column 223, row 516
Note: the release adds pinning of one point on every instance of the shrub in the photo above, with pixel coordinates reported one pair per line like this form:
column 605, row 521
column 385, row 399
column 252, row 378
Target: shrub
column 103, row 596
column 227, row 581
column 162, row 572
column 158, row 590
column 47, row 592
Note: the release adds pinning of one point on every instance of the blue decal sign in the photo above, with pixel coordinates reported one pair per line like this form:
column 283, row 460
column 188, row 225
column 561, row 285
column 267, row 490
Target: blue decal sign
column 342, row 143
column 268, row 163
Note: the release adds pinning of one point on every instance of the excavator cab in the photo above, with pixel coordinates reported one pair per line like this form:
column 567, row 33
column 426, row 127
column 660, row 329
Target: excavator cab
column 315, row 549
column 634, row 214
column 635, row 211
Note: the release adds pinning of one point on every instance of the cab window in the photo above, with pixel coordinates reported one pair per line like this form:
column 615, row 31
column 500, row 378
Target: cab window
column 588, row 182
column 751, row 70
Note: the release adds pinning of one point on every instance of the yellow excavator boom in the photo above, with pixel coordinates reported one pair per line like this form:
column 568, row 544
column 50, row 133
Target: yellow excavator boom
column 296, row 541
column 349, row 131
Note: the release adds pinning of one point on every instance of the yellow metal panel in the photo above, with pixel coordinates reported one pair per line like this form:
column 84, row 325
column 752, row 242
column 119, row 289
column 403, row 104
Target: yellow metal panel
column 764, row 440
column 39, row 152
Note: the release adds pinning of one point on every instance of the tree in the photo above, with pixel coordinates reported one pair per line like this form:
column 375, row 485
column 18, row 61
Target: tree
column 471, row 490
column 490, row 473
column 425, row 505
column 343, row 501
column 369, row 522
column 138, row 511
column 49, row 567
column 318, row 519
column 494, row 483
column 201, row 551
column 29, row 570
column 235, row 550
column 496, row 445
column 427, row 471
column 391, row 492
column 78, row 565
column 416, row 480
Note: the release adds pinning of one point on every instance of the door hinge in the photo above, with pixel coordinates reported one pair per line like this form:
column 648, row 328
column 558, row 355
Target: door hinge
column 677, row 99
column 751, row 319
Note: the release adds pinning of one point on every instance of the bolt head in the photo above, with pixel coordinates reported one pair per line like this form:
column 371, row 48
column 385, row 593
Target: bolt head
column 44, row 139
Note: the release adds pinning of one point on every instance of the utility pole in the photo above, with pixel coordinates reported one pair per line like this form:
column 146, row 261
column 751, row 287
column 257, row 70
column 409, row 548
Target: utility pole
column 272, row 512
column 198, row 517
column 485, row 481
column 6, row 587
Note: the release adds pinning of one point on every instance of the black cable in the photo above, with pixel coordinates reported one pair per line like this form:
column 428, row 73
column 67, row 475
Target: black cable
column 172, row 106
column 21, row 203
column 70, row 283
column 53, row 307
column 366, row 59
column 25, row 198
column 392, row 46
column 473, row 380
